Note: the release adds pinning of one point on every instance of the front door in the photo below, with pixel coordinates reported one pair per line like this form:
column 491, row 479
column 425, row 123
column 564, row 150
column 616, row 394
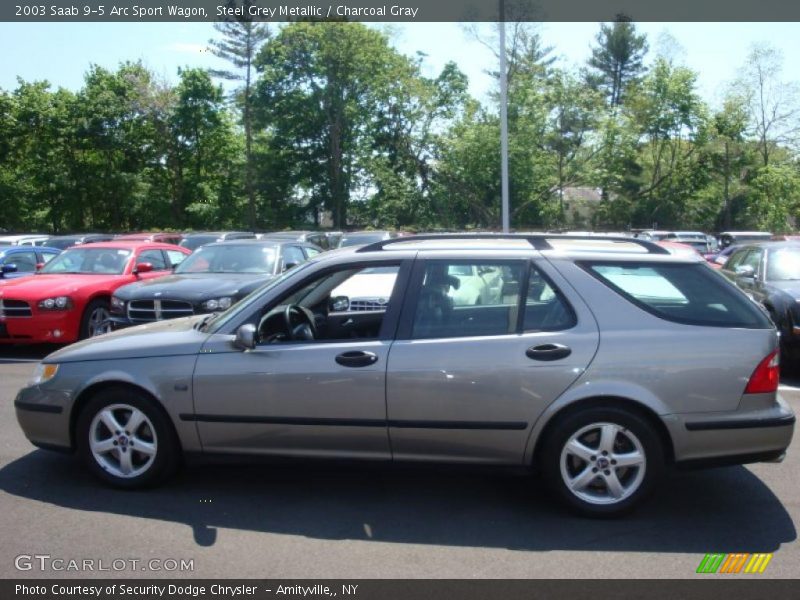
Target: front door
column 304, row 391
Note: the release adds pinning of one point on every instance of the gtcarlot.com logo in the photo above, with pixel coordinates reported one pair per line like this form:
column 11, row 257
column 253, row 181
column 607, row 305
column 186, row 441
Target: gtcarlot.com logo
column 738, row 562
column 46, row 562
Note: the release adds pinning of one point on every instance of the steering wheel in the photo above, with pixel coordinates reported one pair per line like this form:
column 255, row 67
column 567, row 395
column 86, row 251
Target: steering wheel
column 306, row 330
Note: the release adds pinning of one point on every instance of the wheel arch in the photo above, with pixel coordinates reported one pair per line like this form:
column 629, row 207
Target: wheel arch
column 606, row 401
column 95, row 388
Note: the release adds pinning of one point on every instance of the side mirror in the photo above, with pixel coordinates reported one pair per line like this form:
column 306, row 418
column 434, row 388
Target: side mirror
column 143, row 268
column 339, row 304
column 745, row 271
column 289, row 265
column 245, row 337
column 39, row 266
column 10, row 268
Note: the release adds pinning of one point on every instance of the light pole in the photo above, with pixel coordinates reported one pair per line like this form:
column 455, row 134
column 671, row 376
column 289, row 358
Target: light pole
column 503, row 120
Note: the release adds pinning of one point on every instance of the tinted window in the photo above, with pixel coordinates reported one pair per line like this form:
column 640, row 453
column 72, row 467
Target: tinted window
column 690, row 294
column 155, row 258
column 25, row 261
column 293, row 255
column 546, row 309
column 460, row 299
column 176, row 257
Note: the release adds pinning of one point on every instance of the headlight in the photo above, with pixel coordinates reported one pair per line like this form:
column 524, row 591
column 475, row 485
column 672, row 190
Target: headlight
column 44, row 372
column 56, row 303
column 218, row 303
column 117, row 305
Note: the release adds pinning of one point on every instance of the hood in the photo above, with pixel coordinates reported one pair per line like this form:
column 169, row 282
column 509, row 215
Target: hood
column 41, row 286
column 788, row 287
column 161, row 338
column 193, row 287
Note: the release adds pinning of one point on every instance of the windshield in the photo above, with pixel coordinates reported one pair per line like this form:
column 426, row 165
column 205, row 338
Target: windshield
column 105, row 261
column 784, row 265
column 231, row 258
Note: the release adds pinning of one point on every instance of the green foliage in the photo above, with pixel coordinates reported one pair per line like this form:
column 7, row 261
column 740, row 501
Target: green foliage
column 331, row 122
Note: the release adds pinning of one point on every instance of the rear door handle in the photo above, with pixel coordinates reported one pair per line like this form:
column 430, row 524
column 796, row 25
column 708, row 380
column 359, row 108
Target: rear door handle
column 548, row 352
column 357, row 358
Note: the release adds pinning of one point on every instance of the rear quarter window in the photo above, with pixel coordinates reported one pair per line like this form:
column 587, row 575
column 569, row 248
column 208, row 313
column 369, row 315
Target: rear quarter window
column 691, row 294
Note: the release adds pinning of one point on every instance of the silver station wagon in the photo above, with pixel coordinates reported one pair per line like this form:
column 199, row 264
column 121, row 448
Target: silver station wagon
column 596, row 362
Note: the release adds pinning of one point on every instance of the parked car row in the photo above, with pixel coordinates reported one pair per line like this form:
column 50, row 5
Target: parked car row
column 522, row 351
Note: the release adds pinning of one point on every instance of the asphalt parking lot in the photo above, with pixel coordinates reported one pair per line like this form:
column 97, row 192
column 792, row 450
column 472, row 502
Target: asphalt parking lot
column 334, row 521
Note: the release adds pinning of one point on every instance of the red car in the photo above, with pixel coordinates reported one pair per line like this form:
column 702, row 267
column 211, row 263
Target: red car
column 69, row 298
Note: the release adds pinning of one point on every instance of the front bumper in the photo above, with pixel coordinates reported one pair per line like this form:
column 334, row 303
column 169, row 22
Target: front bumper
column 43, row 414
column 51, row 327
column 762, row 433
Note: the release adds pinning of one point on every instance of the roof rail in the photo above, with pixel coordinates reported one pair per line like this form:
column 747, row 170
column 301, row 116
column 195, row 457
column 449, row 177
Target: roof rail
column 539, row 241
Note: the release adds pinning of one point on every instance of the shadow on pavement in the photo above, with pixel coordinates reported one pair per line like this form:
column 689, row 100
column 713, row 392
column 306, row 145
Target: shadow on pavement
column 726, row 509
column 22, row 354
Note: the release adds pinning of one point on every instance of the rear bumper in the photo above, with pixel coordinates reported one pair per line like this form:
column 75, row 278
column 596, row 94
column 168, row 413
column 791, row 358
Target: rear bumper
column 54, row 327
column 736, row 437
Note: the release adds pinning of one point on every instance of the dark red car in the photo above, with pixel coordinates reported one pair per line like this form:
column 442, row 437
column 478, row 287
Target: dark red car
column 69, row 299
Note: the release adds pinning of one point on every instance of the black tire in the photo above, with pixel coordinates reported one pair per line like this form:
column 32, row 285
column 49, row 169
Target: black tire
column 86, row 319
column 632, row 426
column 167, row 455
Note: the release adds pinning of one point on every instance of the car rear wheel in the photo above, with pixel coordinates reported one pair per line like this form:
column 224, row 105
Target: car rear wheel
column 95, row 320
column 126, row 440
column 603, row 461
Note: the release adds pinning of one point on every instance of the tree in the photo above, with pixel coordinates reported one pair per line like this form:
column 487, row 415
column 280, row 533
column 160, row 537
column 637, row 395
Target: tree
column 241, row 40
column 729, row 154
column 323, row 86
column 773, row 104
column 618, row 59
column 671, row 120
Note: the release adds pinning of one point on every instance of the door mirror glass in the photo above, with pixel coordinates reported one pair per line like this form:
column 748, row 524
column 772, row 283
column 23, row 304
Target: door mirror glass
column 339, row 304
column 246, row 337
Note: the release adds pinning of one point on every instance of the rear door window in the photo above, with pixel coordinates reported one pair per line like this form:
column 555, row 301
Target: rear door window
column 691, row 294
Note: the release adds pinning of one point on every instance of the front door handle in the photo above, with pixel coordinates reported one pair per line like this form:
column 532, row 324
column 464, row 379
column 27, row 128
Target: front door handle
column 548, row 352
column 357, row 358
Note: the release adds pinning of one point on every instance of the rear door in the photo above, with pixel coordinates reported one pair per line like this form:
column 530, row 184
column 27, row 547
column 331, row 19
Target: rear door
column 470, row 374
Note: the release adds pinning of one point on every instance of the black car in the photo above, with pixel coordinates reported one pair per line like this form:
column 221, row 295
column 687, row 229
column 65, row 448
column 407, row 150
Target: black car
column 213, row 278
column 62, row 242
column 192, row 241
column 770, row 273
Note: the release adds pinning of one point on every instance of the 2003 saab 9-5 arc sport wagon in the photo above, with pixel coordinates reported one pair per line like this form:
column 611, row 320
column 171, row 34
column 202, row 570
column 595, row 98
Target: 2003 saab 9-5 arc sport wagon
column 595, row 361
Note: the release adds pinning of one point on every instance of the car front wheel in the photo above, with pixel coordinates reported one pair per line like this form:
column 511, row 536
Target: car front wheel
column 125, row 440
column 603, row 461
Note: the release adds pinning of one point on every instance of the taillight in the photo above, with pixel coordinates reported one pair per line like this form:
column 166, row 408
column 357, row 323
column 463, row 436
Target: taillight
column 764, row 379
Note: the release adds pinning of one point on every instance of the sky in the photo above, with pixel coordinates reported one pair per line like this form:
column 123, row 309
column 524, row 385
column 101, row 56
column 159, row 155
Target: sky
column 62, row 52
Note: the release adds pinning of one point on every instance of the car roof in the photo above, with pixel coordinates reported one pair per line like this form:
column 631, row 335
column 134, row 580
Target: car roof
column 120, row 244
column 15, row 249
